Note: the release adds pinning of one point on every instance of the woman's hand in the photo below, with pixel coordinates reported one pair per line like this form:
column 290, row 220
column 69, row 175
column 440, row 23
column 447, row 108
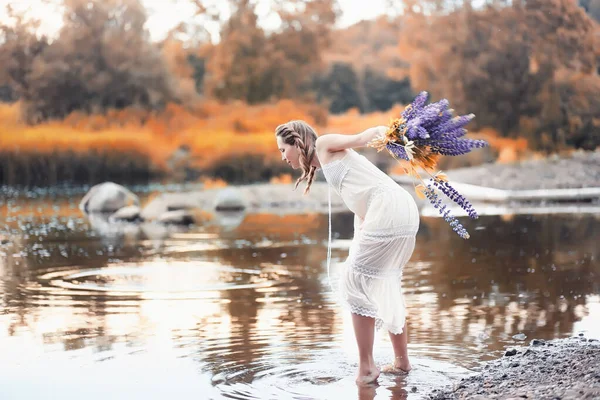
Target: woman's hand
column 376, row 132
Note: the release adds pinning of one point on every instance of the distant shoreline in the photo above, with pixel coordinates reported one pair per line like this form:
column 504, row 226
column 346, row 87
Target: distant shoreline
column 579, row 170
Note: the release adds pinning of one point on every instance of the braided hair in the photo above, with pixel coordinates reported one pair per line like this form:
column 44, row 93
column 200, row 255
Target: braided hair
column 300, row 134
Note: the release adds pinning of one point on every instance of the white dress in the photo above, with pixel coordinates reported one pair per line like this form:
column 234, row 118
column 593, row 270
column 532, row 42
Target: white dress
column 370, row 280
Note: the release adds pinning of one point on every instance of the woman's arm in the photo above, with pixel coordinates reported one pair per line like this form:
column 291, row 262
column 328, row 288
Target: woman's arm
column 335, row 142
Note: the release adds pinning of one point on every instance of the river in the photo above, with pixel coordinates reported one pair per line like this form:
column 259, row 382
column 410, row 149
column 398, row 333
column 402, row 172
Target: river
column 241, row 308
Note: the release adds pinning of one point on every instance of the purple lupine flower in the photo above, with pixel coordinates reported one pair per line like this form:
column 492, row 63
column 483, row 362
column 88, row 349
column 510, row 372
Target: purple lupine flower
column 455, row 134
column 434, row 199
column 438, row 130
column 458, row 198
column 444, row 104
column 414, row 132
column 415, row 106
column 434, row 126
column 398, row 151
column 420, row 100
column 430, row 115
column 452, row 147
column 457, row 122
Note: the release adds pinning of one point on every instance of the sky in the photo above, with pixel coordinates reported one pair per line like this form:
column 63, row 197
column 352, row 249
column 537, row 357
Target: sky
column 165, row 14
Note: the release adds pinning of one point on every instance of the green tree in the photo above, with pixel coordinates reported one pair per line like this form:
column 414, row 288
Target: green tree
column 340, row 88
column 382, row 92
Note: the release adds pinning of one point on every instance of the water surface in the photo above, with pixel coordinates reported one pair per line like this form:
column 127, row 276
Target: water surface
column 242, row 309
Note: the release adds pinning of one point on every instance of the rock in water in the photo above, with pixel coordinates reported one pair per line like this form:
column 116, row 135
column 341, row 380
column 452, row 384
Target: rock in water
column 129, row 213
column 107, row 197
column 230, row 199
column 510, row 353
column 178, row 217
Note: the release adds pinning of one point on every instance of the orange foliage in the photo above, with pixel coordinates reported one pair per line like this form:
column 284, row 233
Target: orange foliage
column 210, row 183
column 284, row 179
column 509, row 149
column 210, row 131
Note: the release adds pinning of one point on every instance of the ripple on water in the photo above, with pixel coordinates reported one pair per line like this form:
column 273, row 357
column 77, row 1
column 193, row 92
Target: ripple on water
column 157, row 280
column 329, row 374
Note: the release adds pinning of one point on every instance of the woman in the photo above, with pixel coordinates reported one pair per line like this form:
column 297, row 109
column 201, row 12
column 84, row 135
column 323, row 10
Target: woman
column 386, row 223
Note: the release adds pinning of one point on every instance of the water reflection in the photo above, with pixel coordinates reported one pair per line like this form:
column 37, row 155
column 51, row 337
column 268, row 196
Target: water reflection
column 526, row 274
column 245, row 311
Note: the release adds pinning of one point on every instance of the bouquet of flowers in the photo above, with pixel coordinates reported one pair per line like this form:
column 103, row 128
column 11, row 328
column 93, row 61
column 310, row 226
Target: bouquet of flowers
column 418, row 138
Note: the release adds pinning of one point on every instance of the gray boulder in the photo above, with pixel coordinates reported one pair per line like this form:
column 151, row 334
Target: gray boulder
column 177, row 217
column 107, row 197
column 230, row 199
column 129, row 213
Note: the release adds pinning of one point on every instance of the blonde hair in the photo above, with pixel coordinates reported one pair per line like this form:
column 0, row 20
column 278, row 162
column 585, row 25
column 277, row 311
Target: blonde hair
column 300, row 134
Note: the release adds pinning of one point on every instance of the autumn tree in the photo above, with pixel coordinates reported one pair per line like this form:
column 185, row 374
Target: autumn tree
column 365, row 69
column 501, row 62
column 298, row 45
column 102, row 58
column 19, row 47
column 236, row 65
column 255, row 66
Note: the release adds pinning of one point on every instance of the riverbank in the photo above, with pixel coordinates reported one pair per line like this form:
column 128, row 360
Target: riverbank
column 567, row 181
column 572, row 179
column 557, row 369
column 580, row 169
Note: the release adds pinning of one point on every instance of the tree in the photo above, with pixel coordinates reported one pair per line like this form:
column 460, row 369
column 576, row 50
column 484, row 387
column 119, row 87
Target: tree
column 501, row 62
column 236, row 65
column 101, row 59
column 19, row 47
column 339, row 87
column 255, row 66
column 382, row 92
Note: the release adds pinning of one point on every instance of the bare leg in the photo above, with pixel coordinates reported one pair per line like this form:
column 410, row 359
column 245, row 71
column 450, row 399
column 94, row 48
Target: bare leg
column 364, row 330
column 399, row 343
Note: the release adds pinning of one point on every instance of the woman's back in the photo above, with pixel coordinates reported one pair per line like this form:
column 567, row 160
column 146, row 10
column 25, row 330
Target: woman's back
column 356, row 180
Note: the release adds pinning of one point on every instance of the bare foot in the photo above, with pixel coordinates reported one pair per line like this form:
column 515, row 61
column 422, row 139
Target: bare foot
column 399, row 367
column 368, row 375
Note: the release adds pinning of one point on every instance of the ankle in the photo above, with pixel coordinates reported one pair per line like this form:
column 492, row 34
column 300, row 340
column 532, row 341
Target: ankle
column 366, row 366
column 400, row 361
column 366, row 359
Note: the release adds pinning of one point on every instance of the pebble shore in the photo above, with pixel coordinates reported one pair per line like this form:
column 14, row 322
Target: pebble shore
column 559, row 369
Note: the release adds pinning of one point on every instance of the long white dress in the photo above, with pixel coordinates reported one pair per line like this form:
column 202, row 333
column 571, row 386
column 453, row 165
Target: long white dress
column 370, row 280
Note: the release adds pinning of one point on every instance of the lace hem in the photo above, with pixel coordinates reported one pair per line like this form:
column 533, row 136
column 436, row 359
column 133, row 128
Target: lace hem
column 379, row 323
column 391, row 233
column 373, row 273
column 365, row 312
column 395, row 330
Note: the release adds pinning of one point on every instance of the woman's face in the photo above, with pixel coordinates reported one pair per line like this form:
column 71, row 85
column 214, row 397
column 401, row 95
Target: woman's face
column 289, row 153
